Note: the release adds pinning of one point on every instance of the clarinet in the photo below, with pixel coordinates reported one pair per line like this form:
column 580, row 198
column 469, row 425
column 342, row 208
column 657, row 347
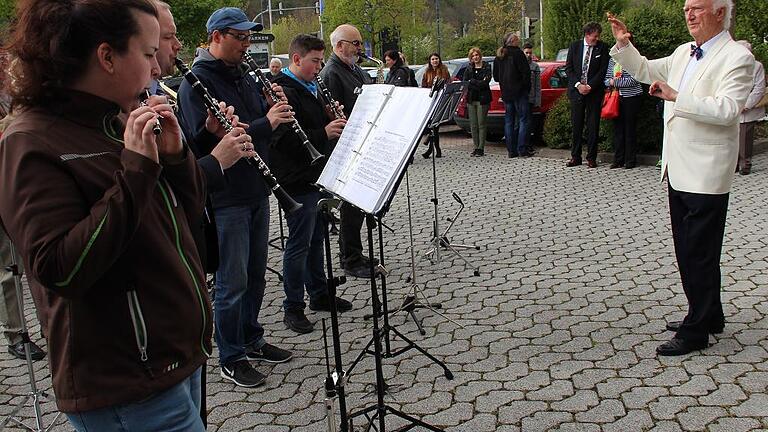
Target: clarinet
column 157, row 129
column 286, row 202
column 337, row 112
column 314, row 155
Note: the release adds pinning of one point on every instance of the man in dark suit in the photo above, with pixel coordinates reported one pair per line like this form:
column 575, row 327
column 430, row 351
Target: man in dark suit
column 586, row 65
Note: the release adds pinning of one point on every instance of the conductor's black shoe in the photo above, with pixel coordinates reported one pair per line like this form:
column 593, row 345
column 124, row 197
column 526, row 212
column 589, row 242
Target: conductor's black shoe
column 297, row 321
column 677, row 346
column 675, row 326
column 35, row 353
column 322, row 304
column 270, row 354
column 243, row 374
column 512, row 155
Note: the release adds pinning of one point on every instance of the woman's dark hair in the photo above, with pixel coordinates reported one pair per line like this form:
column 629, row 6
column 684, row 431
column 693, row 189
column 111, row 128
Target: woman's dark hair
column 429, row 60
column 52, row 41
column 394, row 55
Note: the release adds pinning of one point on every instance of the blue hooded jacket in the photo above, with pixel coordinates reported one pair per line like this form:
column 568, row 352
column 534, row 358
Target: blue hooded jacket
column 236, row 87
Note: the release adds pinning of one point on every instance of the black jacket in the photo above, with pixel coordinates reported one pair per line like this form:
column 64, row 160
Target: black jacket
column 399, row 76
column 290, row 161
column 513, row 74
column 236, row 87
column 598, row 65
column 478, row 88
column 344, row 82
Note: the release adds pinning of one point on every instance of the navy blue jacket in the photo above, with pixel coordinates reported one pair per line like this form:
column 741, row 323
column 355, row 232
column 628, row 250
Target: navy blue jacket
column 236, row 87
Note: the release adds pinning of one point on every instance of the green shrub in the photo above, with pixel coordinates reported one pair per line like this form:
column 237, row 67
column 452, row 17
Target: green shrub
column 460, row 47
column 557, row 128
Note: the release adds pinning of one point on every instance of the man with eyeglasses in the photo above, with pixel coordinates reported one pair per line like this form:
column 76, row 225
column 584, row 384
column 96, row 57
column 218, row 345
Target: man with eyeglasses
column 345, row 80
column 242, row 208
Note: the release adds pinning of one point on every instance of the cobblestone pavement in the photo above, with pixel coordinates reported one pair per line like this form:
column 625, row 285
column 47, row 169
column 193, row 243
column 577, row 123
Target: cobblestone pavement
column 557, row 333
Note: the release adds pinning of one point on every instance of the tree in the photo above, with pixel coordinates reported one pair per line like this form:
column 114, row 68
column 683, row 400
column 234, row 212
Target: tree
column 191, row 16
column 495, row 18
column 657, row 28
column 372, row 16
column 564, row 19
column 288, row 27
column 751, row 24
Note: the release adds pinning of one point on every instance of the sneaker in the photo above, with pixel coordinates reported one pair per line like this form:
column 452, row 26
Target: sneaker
column 243, row 374
column 270, row 354
column 297, row 321
column 322, row 304
column 35, row 352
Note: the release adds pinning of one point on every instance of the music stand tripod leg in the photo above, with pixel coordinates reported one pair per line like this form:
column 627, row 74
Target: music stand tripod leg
column 35, row 394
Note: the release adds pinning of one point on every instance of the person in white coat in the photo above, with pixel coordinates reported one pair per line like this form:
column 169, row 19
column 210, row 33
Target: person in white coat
column 749, row 117
column 705, row 87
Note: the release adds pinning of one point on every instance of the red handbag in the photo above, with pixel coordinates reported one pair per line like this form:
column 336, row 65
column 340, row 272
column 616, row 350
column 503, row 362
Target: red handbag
column 610, row 108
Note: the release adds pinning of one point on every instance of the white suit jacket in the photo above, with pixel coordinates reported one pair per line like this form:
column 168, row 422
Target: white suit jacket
column 701, row 128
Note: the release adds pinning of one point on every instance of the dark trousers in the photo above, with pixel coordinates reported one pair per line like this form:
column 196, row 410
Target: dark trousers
column 350, row 244
column 585, row 109
column 625, row 131
column 698, row 226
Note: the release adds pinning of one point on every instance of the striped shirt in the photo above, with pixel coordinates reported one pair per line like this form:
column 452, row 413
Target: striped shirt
column 628, row 86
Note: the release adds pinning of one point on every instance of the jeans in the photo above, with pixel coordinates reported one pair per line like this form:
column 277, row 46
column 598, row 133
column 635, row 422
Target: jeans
column 477, row 123
column 303, row 255
column 174, row 409
column 243, row 235
column 516, row 122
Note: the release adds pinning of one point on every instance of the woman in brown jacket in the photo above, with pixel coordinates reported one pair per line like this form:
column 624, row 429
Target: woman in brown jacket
column 101, row 209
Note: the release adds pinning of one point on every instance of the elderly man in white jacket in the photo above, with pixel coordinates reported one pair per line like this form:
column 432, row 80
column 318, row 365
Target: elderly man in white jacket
column 749, row 117
column 705, row 86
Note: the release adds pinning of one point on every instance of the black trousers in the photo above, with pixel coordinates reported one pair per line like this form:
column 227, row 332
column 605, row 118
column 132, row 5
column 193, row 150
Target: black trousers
column 350, row 243
column 586, row 109
column 698, row 226
column 625, row 131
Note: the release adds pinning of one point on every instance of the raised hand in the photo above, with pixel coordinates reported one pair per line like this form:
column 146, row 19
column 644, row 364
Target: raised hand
column 619, row 29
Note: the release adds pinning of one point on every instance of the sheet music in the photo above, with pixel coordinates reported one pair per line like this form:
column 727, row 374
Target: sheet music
column 359, row 124
column 373, row 152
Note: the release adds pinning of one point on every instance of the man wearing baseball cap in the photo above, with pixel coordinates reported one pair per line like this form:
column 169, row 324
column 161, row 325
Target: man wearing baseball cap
column 242, row 208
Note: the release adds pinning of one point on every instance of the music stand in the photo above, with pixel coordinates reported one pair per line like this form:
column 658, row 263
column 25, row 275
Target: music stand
column 380, row 334
column 452, row 96
column 35, row 394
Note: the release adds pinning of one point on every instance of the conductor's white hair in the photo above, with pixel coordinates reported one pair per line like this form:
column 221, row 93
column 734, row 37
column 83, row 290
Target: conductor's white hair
column 728, row 5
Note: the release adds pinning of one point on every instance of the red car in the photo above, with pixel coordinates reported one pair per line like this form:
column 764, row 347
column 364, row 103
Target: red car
column 553, row 85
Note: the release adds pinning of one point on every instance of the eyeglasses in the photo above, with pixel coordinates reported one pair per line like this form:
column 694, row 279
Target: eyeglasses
column 242, row 37
column 356, row 43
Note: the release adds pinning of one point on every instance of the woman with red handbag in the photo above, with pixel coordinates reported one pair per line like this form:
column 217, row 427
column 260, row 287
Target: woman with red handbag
column 625, row 125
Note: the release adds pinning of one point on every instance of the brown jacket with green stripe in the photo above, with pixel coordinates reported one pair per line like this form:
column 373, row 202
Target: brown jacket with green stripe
column 105, row 236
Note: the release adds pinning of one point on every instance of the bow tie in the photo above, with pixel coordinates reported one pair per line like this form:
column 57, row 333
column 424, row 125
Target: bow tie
column 696, row 50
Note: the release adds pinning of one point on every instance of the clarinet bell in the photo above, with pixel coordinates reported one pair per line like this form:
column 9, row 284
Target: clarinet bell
column 288, row 204
column 314, row 155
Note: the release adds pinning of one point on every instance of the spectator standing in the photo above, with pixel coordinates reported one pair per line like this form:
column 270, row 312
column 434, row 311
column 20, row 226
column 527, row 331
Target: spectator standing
column 534, row 96
column 512, row 72
column 586, row 65
column 435, row 69
column 275, row 66
column 625, row 125
column 399, row 74
column 478, row 74
column 749, row 117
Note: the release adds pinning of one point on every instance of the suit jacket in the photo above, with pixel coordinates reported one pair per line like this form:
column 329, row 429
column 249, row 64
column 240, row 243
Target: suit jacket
column 598, row 64
column 701, row 128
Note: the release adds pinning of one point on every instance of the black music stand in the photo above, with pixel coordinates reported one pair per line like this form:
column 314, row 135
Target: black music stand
column 380, row 334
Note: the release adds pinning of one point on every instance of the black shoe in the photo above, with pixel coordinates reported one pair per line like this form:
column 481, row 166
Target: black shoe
column 616, row 165
column 425, row 155
column 677, row 346
column 744, row 171
column 35, row 353
column 270, row 354
column 439, row 155
column 481, row 152
column 297, row 321
column 474, row 152
column 512, row 155
column 675, row 326
column 630, row 166
column 358, row 269
column 322, row 304
column 573, row 162
column 527, row 154
column 243, row 374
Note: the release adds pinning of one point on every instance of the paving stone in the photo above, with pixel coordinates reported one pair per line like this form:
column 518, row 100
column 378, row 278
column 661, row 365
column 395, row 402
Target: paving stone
column 698, row 418
column 634, row 420
column 606, row 411
column 755, row 406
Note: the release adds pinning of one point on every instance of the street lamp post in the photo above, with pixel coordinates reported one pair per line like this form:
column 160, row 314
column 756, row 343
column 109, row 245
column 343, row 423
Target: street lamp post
column 439, row 38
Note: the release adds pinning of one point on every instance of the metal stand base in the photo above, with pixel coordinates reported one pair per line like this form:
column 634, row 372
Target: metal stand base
column 35, row 395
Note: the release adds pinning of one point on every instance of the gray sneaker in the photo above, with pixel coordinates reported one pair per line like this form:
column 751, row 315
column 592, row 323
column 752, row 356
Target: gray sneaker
column 243, row 374
column 270, row 354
